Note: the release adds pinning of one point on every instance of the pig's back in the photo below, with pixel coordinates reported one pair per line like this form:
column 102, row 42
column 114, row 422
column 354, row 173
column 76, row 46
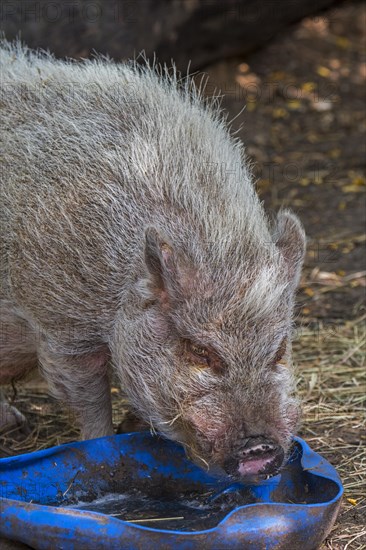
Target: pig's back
column 94, row 152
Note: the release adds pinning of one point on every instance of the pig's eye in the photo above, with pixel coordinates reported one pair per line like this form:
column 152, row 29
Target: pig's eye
column 204, row 357
column 198, row 354
column 199, row 350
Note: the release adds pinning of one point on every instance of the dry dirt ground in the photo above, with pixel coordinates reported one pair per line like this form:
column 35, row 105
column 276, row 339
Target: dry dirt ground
column 304, row 127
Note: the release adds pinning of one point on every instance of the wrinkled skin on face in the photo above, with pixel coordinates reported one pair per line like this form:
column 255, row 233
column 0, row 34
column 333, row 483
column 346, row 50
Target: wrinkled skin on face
column 207, row 361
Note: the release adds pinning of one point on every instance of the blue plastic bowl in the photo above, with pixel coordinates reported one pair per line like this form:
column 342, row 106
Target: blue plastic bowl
column 48, row 497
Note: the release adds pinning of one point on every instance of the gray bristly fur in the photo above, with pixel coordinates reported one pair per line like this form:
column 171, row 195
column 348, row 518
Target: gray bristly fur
column 130, row 225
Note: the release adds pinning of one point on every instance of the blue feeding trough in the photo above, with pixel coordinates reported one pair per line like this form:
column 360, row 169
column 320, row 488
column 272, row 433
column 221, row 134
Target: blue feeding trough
column 137, row 491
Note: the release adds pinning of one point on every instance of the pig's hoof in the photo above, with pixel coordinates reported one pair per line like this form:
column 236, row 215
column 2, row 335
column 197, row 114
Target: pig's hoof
column 131, row 423
column 11, row 420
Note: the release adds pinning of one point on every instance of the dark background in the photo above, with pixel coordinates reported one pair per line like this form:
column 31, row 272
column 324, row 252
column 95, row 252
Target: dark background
column 195, row 31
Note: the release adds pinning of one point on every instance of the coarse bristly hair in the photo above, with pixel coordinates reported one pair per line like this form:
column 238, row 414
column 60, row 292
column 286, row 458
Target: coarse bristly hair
column 132, row 235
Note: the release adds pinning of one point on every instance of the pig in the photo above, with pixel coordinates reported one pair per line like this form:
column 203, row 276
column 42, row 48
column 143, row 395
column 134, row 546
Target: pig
column 134, row 243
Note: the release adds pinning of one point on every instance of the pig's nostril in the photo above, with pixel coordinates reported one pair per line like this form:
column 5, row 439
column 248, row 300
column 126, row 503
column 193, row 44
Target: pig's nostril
column 258, row 449
column 258, row 443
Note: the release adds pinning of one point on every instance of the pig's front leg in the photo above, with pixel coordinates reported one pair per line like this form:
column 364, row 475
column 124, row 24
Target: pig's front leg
column 82, row 382
column 11, row 419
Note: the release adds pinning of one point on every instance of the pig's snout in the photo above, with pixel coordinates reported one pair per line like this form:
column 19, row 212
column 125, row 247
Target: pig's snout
column 259, row 456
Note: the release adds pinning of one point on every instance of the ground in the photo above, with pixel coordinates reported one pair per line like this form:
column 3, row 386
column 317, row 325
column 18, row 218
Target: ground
column 304, row 127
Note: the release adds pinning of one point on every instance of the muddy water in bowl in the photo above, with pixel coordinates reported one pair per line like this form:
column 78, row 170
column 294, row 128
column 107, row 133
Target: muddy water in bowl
column 184, row 512
column 169, row 505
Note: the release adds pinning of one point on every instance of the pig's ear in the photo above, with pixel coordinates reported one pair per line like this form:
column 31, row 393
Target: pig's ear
column 159, row 256
column 169, row 273
column 290, row 239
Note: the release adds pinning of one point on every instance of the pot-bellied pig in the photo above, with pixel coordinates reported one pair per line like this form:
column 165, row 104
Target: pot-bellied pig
column 133, row 240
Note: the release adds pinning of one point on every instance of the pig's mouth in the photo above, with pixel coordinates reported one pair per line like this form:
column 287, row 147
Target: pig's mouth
column 259, row 459
column 247, row 459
